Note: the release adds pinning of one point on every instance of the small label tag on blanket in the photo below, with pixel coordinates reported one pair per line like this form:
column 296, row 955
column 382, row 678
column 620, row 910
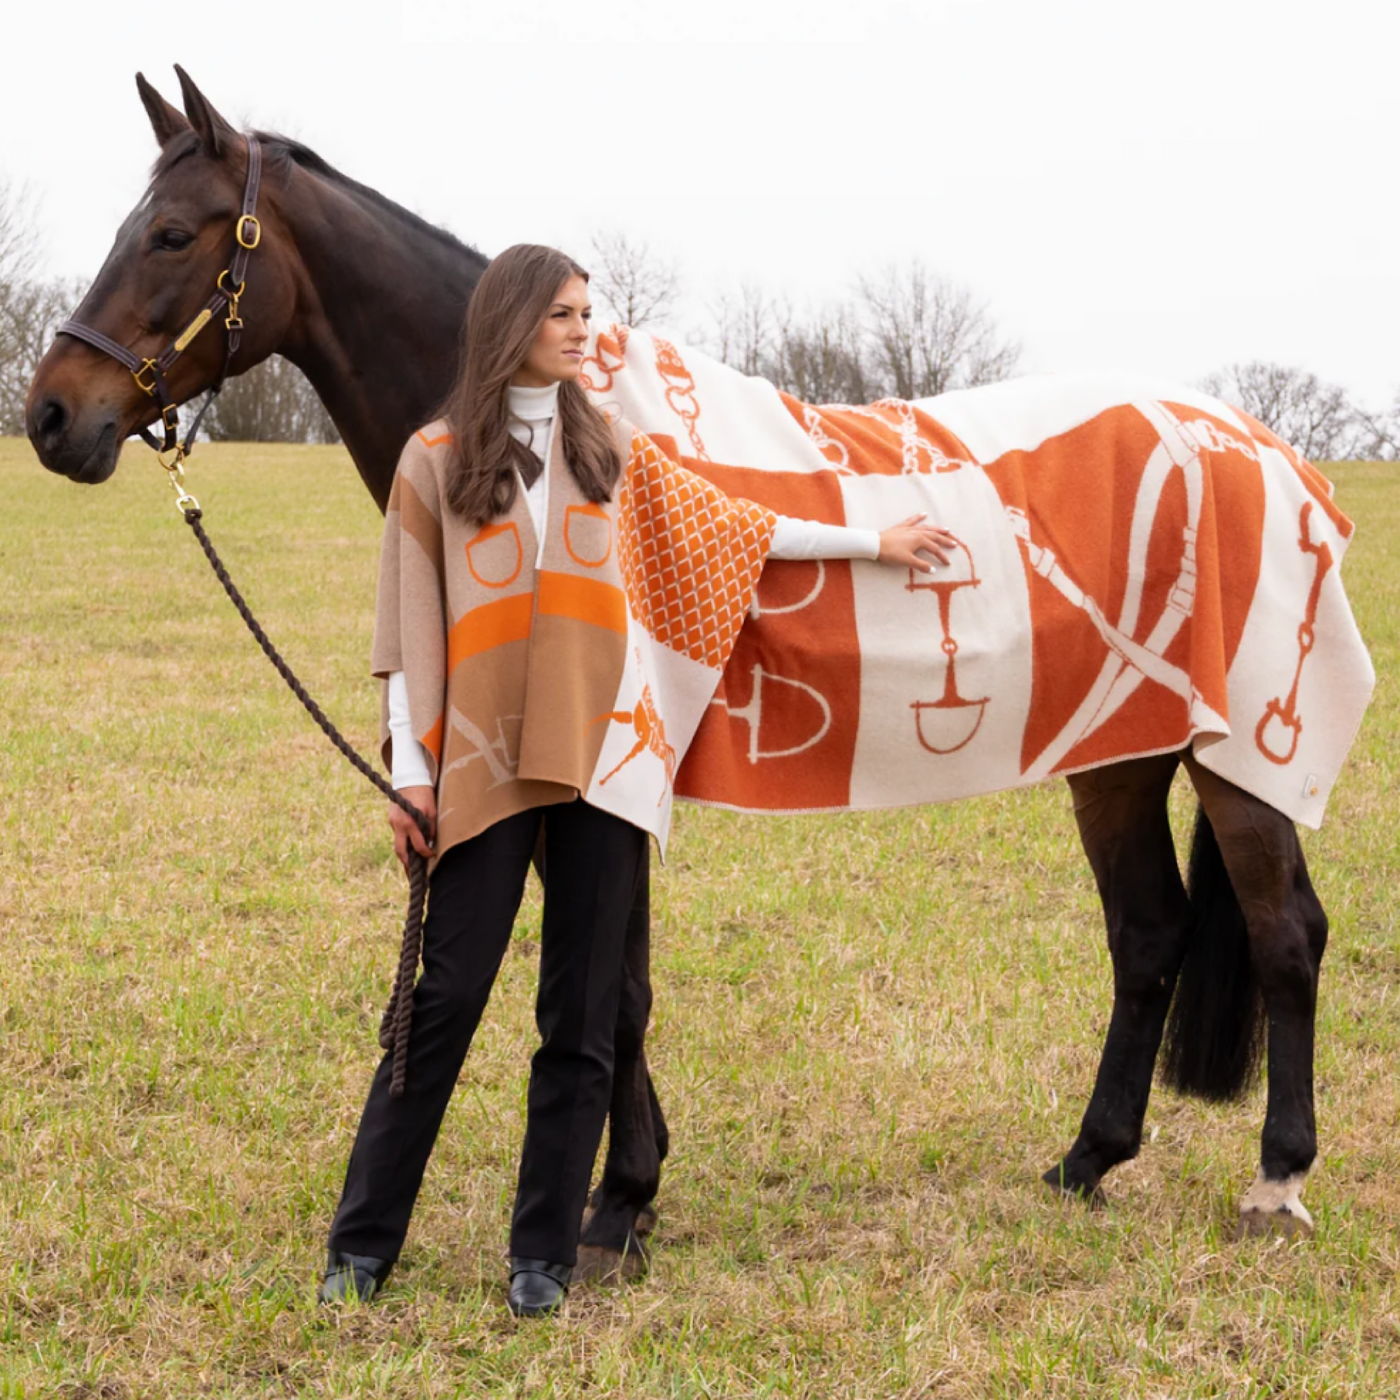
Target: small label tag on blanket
column 1310, row 785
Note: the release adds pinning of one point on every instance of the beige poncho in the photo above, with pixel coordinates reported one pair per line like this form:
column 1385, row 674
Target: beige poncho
column 582, row 665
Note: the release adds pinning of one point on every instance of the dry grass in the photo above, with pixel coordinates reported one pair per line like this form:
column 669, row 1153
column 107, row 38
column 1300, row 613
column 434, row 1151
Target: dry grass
column 871, row 1034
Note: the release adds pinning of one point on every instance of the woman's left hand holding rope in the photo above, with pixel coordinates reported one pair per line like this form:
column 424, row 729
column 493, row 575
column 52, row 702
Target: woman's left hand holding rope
column 406, row 829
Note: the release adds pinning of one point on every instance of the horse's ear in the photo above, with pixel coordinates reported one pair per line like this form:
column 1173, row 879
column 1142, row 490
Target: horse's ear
column 166, row 121
column 213, row 131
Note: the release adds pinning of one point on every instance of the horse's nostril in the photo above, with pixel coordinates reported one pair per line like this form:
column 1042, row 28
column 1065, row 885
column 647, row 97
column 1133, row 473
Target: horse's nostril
column 51, row 419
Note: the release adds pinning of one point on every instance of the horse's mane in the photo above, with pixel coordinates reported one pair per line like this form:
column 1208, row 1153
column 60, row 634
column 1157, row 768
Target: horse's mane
column 282, row 150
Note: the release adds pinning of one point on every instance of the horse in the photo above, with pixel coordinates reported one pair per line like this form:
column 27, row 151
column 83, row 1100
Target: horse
column 367, row 299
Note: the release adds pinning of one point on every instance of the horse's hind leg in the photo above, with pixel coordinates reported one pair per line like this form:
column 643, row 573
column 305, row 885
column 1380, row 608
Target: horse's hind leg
column 1122, row 814
column 620, row 1210
column 1287, row 933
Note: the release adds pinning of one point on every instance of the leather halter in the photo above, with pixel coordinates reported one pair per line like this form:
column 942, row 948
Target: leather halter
column 149, row 374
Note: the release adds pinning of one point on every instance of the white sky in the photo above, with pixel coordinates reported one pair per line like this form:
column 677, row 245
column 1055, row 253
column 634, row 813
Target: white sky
column 1164, row 187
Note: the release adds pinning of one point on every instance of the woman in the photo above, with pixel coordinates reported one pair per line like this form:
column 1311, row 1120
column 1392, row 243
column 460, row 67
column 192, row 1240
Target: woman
column 556, row 601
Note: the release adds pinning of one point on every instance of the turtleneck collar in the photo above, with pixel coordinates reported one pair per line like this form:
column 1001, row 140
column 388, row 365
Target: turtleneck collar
column 533, row 405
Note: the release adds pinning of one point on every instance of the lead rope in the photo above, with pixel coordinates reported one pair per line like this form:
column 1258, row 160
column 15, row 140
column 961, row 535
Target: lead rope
column 397, row 1021
column 172, row 451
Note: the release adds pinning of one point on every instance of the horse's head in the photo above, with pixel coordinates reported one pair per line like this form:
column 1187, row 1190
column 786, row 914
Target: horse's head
column 163, row 267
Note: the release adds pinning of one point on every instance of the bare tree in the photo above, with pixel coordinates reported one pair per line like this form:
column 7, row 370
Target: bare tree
column 637, row 285
column 1316, row 418
column 272, row 402
column 18, row 255
column 744, row 329
column 19, row 239
column 30, row 314
column 31, row 309
column 907, row 335
column 1379, row 439
column 927, row 335
column 821, row 358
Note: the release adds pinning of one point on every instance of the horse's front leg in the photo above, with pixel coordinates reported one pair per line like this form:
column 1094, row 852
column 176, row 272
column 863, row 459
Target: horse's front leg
column 1121, row 810
column 1287, row 932
column 620, row 1210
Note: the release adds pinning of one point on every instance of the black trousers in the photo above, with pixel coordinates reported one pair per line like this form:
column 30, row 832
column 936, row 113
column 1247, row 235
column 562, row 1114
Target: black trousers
column 590, row 877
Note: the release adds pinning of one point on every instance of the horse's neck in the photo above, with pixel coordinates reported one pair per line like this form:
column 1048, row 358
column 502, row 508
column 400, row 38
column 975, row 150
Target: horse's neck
column 378, row 320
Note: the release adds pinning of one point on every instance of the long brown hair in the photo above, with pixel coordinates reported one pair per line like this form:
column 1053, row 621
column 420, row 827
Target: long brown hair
column 504, row 315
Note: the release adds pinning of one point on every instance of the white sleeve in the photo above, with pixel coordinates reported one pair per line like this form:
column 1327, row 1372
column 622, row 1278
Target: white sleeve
column 410, row 758
column 810, row 539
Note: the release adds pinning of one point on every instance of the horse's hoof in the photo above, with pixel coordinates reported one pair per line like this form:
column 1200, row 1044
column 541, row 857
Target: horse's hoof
column 1274, row 1208
column 1091, row 1197
column 599, row 1265
column 1281, row 1223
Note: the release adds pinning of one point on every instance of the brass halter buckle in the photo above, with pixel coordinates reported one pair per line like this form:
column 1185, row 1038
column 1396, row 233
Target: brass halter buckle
column 140, row 383
column 247, row 239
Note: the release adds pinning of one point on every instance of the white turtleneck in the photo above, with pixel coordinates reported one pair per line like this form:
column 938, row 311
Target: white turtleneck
column 532, row 414
column 532, row 422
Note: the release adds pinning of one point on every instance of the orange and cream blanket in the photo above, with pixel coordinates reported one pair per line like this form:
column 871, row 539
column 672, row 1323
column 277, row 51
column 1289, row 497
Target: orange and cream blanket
column 1140, row 567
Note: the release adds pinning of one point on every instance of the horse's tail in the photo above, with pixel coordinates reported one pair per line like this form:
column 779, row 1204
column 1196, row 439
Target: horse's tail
column 1215, row 1032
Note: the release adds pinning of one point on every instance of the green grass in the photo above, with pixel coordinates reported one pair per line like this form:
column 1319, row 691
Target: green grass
column 871, row 1034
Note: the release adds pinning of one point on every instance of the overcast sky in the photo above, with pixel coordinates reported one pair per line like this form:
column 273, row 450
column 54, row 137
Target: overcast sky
column 1164, row 187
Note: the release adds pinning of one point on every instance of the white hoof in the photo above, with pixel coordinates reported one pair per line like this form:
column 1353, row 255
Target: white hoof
column 1275, row 1208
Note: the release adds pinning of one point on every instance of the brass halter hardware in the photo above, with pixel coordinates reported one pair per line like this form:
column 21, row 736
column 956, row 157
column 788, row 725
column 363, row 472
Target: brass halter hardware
column 232, row 322
column 146, row 366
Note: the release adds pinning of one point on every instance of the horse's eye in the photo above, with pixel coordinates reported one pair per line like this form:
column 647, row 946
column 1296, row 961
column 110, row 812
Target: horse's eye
column 172, row 240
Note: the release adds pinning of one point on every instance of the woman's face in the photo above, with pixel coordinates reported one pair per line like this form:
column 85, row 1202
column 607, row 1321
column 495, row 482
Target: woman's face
column 557, row 353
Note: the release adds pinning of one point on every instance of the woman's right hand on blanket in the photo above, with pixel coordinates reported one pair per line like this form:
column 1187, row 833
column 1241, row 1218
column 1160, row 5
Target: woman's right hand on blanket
column 901, row 544
column 406, row 829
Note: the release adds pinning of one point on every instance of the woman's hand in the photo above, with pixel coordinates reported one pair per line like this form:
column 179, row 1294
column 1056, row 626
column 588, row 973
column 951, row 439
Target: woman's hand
column 901, row 544
column 406, row 829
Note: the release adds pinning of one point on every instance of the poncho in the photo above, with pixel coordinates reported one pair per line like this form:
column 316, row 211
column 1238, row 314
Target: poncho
column 539, row 671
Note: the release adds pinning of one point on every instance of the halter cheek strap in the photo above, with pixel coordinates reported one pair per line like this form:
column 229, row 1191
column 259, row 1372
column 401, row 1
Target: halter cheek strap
column 149, row 374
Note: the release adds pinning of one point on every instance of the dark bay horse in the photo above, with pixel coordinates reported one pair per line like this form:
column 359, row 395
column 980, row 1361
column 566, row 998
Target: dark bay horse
column 368, row 301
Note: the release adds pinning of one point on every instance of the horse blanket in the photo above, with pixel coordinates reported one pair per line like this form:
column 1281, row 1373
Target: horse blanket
column 1139, row 567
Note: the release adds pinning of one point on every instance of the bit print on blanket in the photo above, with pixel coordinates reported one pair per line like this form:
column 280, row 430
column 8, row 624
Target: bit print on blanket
column 1140, row 567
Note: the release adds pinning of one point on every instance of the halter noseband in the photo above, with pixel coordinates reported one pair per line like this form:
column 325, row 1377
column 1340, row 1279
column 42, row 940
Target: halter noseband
column 149, row 374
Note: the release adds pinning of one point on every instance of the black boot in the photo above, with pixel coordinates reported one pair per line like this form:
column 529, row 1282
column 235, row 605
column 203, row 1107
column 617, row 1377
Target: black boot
column 352, row 1278
column 537, row 1287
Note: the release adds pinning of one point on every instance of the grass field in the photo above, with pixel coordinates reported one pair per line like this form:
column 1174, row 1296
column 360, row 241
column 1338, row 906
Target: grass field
column 872, row 1033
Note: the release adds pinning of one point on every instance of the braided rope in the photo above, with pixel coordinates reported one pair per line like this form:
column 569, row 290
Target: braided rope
column 397, row 1021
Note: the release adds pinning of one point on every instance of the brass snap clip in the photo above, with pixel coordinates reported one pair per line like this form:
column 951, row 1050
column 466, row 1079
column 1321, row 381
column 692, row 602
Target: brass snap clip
column 175, row 470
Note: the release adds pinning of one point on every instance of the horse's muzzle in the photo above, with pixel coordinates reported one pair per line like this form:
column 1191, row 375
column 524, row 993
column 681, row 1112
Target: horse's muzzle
column 83, row 452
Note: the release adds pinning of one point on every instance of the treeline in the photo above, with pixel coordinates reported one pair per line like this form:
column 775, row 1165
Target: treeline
column 910, row 334
column 1317, row 418
column 906, row 333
